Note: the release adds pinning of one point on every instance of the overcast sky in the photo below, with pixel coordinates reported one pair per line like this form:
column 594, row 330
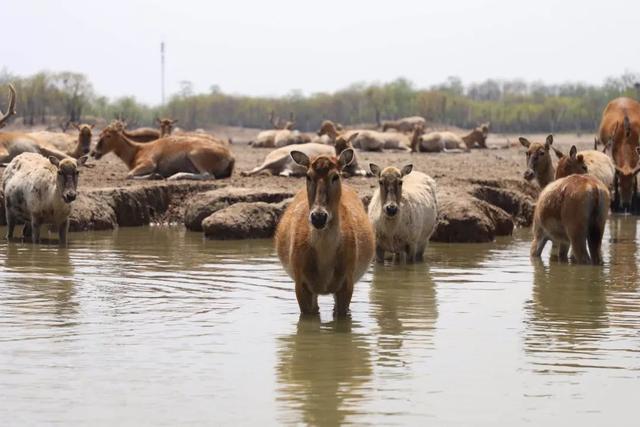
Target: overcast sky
column 274, row 47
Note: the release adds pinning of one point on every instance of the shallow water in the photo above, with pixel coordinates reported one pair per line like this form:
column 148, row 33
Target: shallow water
column 156, row 326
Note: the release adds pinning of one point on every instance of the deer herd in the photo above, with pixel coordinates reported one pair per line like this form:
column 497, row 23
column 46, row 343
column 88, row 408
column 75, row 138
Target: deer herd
column 326, row 238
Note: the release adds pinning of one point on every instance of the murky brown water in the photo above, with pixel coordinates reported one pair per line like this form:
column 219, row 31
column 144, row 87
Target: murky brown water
column 156, row 326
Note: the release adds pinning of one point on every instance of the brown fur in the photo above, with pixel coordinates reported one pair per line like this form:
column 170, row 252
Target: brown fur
column 405, row 125
column 170, row 157
column 166, row 126
column 539, row 163
column 572, row 212
column 329, row 259
column 620, row 124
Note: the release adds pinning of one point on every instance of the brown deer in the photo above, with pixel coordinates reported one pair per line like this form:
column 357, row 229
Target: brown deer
column 591, row 162
column 539, row 163
column 166, row 126
column 173, row 157
column 572, row 212
column 136, row 135
column 13, row 144
column 280, row 124
column 405, row 125
column 324, row 239
column 623, row 149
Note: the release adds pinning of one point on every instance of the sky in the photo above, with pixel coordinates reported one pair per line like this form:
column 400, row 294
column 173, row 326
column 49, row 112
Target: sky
column 279, row 46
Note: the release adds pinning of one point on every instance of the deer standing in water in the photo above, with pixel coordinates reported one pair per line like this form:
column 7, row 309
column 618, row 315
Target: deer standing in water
column 324, row 239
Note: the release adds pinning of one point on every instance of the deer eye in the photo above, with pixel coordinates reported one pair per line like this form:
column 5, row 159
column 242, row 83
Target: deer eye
column 335, row 178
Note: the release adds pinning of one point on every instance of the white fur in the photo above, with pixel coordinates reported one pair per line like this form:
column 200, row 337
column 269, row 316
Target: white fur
column 600, row 166
column 36, row 179
column 416, row 218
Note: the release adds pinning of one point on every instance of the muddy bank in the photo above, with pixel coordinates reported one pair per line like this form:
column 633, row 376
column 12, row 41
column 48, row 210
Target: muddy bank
column 482, row 195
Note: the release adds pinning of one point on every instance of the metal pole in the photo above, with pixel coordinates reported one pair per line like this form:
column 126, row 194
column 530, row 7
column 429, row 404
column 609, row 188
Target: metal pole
column 162, row 70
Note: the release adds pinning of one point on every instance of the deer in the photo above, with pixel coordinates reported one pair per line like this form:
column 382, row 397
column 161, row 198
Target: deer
column 403, row 211
column 40, row 191
column 437, row 142
column 367, row 140
column 280, row 162
column 72, row 146
column 623, row 146
column 13, row 144
column 572, row 212
column 540, row 165
column 172, row 157
column 166, row 126
column 324, row 240
column 136, row 135
column 591, row 162
column 404, row 125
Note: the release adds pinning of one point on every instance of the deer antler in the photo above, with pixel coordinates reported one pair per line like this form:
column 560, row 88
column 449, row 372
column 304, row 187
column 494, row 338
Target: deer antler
column 12, row 106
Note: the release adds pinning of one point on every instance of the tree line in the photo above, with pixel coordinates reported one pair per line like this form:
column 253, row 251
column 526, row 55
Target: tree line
column 510, row 105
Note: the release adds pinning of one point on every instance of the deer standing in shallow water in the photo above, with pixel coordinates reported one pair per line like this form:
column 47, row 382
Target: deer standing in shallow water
column 572, row 211
column 324, row 239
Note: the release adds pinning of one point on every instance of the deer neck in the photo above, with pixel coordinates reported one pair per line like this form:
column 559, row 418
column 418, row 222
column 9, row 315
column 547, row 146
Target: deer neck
column 327, row 241
column 79, row 151
column 545, row 176
column 127, row 150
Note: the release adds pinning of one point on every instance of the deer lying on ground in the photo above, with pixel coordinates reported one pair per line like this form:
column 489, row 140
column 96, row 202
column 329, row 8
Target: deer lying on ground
column 437, row 142
column 403, row 212
column 405, row 125
column 13, row 144
column 540, row 165
column 572, row 212
column 623, row 148
column 39, row 191
column 166, row 126
column 73, row 146
column 324, row 239
column 367, row 140
column 172, row 157
column 136, row 135
column 280, row 162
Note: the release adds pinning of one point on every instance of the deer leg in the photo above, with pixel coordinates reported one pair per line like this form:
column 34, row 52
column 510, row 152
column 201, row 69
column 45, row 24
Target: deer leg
column 145, row 170
column 191, row 176
column 63, row 229
column 379, row 254
column 579, row 248
column 563, row 252
column 410, row 251
column 307, row 301
column 342, row 300
column 538, row 242
column 35, row 229
column 594, row 240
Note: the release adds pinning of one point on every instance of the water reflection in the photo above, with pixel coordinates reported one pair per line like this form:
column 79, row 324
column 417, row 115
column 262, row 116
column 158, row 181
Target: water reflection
column 323, row 372
column 39, row 281
column 403, row 304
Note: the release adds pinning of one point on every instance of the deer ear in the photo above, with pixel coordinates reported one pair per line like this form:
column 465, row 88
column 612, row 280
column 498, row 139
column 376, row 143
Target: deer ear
column 82, row 160
column 352, row 136
column 548, row 142
column 300, row 158
column 346, row 158
column 375, row 169
column 573, row 152
column 54, row 161
column 525, row 142
column 559, row 154
column 92, row 126
column 406, row 170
